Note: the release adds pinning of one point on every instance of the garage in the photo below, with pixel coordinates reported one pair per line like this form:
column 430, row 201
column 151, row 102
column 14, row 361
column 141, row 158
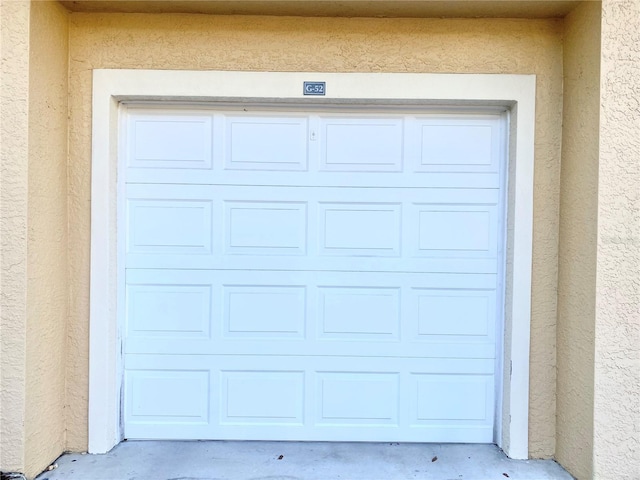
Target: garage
column 318, row 273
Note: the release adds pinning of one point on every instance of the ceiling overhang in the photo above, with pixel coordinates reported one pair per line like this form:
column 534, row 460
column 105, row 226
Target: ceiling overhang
column 333, row 8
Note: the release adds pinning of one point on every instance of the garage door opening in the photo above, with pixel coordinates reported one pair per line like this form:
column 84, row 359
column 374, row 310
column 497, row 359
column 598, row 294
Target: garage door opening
column 270, row 266
column 328, row 274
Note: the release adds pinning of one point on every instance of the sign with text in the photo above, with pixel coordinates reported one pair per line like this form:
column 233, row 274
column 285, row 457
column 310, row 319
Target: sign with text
column 314, row 88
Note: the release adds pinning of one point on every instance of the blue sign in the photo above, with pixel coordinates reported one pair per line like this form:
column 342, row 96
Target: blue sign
column 314, row 88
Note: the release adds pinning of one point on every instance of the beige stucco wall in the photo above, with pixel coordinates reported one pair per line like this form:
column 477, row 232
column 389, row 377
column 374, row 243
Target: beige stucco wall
column 578, row 233
column 47, row 268
column 34, row 224
column 14, row 123
column 334, row 45
column 617, row 309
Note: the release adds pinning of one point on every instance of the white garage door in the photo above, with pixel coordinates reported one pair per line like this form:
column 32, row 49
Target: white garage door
column 312, row 275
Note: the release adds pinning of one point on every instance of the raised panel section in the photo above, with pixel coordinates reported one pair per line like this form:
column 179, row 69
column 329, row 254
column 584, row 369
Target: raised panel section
column 361, row 145
column 454, row 312
column 169, row 226
column 316, row 313
column 264, row 311
column 167, row 396
column 358, row 398
column 458, row 144
column 262, row 397
column 161, row 310
column 447, row 398
column 456, row 230
column 266, row 143
column 170, row 142
column 265, row 228
column 359, row 313
column 360, row 229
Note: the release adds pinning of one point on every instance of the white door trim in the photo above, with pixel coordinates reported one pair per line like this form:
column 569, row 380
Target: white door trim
column 110, row 87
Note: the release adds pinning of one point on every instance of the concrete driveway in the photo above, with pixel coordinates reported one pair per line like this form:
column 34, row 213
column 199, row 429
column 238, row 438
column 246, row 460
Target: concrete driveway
column 210, row 460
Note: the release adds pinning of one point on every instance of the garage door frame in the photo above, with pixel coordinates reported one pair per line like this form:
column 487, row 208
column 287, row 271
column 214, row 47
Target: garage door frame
column 111, row 87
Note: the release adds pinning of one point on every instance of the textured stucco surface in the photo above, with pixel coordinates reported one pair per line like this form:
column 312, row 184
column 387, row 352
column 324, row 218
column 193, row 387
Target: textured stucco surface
column 578, row 233
column 33, row 232
column 14, row 102
column 617, row 326
column 47, row 269
column 334, row 45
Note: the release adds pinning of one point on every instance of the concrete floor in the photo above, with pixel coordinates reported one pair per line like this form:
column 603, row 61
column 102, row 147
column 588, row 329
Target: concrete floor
column 199, row 460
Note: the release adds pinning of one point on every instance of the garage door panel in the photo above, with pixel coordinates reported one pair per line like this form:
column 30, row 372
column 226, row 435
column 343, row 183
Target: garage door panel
column 457, row 144
column 168, row 396
column 436, row 350
column 265, row 228
column 266, row 143
column 277, row 178
column 318, row 433
column 450, row 231
column 310, row 313
column 258, row 398
column 357, row 398
column 280, row 399
column 350, row 144
column 360, row 229
column 171, row 227
column 171, row 310
column 295, row 363
column 447, row 313
column 177, row 142
column 164, row 146
column 338, row 263
column 322, row 279
column 264, row 311
column 326, row 275
column 359, row 313
column 384, row 194
column 438, row 398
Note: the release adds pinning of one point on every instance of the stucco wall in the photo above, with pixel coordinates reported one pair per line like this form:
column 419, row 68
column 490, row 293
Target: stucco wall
column 334, row 45
column 33, row 194
column 617, row 326
column 47, row 269
column 14, row 118
column 578, row 232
